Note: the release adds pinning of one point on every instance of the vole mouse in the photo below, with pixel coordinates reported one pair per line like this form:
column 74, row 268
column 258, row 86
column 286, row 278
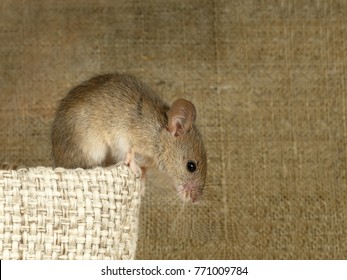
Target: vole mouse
column 116, row 117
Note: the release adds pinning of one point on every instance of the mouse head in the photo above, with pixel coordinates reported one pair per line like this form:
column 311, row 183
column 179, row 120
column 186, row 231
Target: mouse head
column 183, row 153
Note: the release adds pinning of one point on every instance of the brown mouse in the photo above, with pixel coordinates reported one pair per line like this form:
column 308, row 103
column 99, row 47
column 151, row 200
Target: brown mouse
column 115, row 117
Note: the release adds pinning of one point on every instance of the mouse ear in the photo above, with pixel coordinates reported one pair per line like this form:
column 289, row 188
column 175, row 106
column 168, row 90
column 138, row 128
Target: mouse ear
column 181, row 117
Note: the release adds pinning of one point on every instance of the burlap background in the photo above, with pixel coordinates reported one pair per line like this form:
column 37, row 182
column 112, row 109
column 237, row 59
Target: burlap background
column 268, row 79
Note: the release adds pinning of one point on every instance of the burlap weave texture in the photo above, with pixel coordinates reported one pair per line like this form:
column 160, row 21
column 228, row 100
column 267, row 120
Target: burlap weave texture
column 66, row 214
column 268, row 79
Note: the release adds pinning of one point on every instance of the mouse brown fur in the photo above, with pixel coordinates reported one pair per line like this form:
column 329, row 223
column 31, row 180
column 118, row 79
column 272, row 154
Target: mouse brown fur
column 116, row 117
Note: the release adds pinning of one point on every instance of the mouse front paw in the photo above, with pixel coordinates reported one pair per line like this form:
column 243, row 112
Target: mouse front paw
column 134, row 167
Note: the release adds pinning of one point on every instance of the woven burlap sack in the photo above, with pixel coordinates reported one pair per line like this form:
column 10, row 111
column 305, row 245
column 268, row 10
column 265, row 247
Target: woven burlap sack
column 66, row 214
column 267, row 79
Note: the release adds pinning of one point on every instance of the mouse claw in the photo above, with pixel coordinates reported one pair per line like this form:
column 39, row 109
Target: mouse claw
column 142, row 188
column 143, row 181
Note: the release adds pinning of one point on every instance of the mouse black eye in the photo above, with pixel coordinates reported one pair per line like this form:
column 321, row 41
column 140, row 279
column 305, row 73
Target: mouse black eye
column 191, row 166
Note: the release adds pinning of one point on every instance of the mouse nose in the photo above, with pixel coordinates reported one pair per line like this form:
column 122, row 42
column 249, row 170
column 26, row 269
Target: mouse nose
column 191, row 192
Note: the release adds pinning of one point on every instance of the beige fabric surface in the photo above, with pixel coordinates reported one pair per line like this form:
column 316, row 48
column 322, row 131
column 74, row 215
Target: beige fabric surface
column 268, row 79
column 62, row 214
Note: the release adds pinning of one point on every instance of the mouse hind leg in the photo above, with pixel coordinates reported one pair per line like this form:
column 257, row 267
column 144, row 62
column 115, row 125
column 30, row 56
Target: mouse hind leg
column 93, row 153
column 76, row 157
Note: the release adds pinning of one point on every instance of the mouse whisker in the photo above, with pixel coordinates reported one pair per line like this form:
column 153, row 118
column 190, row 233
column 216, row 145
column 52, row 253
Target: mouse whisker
column 173, row 200
column 173, row 197
column 179, row 214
